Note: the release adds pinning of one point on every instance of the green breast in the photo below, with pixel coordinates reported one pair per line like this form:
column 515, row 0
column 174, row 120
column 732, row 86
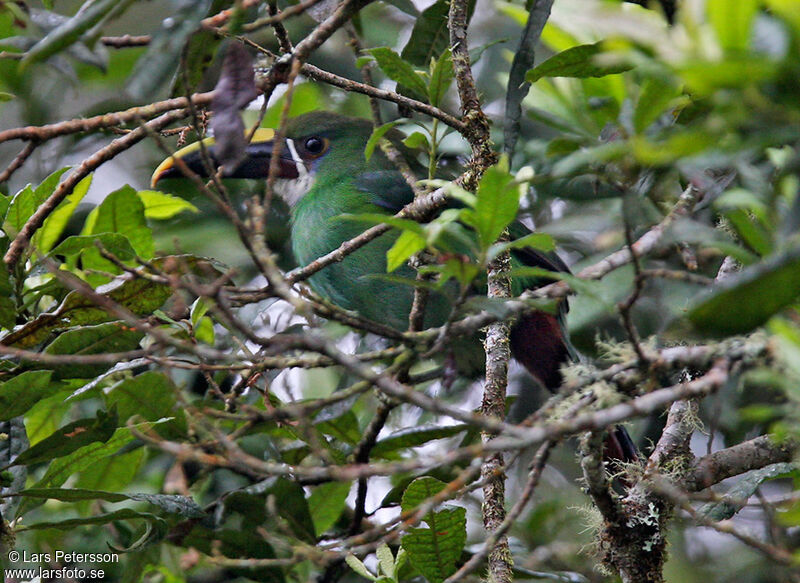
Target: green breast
column 355, row 283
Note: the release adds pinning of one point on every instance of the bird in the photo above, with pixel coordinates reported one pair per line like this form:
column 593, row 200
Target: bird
column 324, row 176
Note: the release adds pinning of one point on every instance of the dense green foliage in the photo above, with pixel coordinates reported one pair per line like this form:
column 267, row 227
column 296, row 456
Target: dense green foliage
column 159, row 403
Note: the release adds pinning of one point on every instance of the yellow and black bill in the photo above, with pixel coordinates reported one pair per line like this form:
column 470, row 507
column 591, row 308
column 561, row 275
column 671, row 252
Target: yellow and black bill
column 254, row 164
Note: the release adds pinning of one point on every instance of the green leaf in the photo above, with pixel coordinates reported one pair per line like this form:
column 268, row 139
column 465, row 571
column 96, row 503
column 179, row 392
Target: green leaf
column 752, row 232
column 199, row 309
column 23, row 391
column 159, row 206
column 735, row 498
column 326, row 504
column 750, row 298
column 577, row 62
column 8, row 308
column 71, row 438
column 13, row 443
column 114, row 243
column 69, row 32
column 158, row 64
column 404, row 247
column 150, row 395
column 106, row 518
column 46, row 415
column 203, row 331
column 385, row 560
column 704, row 77
column 419, row 491
column 55, row 224
column 343, row 427
column 654, row 98
column 141, row 296
column 441, row 77
column 496, row 205
column 122, row 212
column 201, row 47
column 104, row 338
column 112, row 473
column 787, row 10
column 359, row 567
column 430, row 36
column 376, row 136
column 399, row 70
column 416, row 140
column 61, row 469
column 27, row 200
column 540, row 241
column 413, row 437
column 732, row 22
column 433, row 551
column 170, row 503
column 290, row 501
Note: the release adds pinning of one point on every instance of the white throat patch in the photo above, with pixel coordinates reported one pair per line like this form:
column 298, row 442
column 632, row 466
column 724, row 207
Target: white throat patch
column 292, row 190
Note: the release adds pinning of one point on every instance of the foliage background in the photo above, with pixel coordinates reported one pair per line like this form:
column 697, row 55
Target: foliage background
column 709, row 102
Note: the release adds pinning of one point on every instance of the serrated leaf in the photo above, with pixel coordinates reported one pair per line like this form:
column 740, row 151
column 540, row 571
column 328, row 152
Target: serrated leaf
column 399, row 70
column 576, row 62
column 756, row 294
column 434, row 551
column 406, row 245
column 419, row 491
column 159, row 206
column 376, row 136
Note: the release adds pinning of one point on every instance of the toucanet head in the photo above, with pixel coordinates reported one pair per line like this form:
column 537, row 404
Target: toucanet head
column 316, row 143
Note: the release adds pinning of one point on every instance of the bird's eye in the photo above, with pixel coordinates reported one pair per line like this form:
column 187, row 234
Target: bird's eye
column 314, row 145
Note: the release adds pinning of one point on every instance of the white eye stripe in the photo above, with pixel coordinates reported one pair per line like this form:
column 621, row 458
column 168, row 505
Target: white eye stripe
column 292, row 190
column 302, row 171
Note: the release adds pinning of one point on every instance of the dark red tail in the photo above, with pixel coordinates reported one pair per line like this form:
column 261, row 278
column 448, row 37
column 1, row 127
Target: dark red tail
column 538, row 343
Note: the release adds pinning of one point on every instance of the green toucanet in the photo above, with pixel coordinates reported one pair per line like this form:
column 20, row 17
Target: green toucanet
column 323, row 174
